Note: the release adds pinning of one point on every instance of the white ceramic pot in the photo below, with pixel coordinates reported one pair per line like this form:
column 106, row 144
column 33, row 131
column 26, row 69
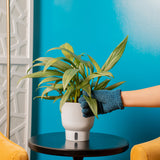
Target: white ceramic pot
column 76, row 126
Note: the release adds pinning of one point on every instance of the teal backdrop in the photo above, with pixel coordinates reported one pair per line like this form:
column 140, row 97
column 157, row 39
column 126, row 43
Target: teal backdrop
column 97, row 27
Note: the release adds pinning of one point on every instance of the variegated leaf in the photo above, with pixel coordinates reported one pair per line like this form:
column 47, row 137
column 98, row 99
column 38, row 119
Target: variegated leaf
column 68, row 75
column 82, row 70
column 48, row 97
column 94, row 75
column 114, row 85
column 87, row 89
column 66, row 96
column 51, row 88
column 35, row 65
column 41, row 74
column 68, row 47
column 92, row 104
column 50, row 79
column 115, row 55
column 102, row 85
column 95, row 64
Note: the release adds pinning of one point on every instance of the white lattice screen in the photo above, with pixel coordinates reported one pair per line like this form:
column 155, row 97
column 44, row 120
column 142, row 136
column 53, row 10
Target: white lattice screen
column 21, row 59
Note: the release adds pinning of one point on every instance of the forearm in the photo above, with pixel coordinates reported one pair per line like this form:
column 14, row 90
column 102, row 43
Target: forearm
column 148, row 97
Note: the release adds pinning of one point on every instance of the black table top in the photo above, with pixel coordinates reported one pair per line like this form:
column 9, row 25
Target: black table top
column 99, row 145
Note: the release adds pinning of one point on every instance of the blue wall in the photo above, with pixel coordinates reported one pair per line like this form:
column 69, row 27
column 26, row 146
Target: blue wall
column 96, row 28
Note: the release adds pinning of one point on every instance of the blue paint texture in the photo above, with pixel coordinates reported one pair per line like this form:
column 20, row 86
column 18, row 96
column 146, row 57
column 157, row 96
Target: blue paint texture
column 96, row 28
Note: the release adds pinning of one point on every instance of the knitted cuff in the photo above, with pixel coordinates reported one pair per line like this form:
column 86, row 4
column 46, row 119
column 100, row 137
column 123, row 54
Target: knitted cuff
column 118, row 100
column 113, row 101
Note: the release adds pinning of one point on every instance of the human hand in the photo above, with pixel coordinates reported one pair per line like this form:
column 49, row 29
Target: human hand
column 107, row 101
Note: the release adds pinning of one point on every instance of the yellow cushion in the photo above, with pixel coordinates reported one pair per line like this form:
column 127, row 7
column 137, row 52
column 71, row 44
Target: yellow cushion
column 146, row 151
column 11, row 151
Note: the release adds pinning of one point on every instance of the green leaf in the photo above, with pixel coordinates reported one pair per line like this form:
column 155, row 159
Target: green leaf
column 69, row 61
column 51, row 88
column 86, row 68
column 114, row 85
column 57, row 98
column 57, row 81
column 102, row 85
column 48, row 97
column 35, row 65
column 62, row 66
column 46, row 59
column 52, row 61
column 92, row 104
column 82, row 70
column 58, row 86
column 58, row 64
column 50, row 79
column 66, row 96
column 95, row 63
column 42, row 59
column 68, row 75
column 81, row 55
column 90, row 66
column 67, row 53
column 87, row 89
column 68, row 47
column 41, row 74
column 77, row 58
column 47, row 90
column 94, row 75
column 115, row 55
column 93, row 84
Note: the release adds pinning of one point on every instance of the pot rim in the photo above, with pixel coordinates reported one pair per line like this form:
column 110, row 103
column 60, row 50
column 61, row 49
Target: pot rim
column 72, row 102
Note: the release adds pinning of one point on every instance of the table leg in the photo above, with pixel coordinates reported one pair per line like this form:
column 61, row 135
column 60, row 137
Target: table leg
column 77, row 158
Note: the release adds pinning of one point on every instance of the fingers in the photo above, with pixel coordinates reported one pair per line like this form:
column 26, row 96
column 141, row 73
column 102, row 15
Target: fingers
column 87, row 112
column 83, row 102
column 81, row 99
column 85, row 108
column 101, row 95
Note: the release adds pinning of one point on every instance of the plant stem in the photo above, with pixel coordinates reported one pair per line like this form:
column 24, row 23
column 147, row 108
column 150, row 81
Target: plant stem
column 97, row 82
column 76, row 91
column 75, row 97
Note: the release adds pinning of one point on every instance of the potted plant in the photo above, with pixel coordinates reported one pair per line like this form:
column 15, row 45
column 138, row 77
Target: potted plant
column 69, row 76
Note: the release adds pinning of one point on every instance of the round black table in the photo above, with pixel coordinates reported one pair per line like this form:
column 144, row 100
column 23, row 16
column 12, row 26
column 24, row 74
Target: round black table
column 99, row 145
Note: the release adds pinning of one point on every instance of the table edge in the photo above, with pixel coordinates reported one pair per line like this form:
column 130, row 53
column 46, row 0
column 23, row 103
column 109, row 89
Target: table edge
column 79, row 152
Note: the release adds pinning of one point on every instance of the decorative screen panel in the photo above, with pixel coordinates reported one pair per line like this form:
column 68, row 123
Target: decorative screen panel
column 21, row 58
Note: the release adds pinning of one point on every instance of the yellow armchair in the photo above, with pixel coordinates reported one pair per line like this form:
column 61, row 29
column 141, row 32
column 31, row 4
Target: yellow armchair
column 11, row 151
column 146, row 151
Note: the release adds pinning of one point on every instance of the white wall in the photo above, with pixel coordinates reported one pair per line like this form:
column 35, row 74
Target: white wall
column 21, row 59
